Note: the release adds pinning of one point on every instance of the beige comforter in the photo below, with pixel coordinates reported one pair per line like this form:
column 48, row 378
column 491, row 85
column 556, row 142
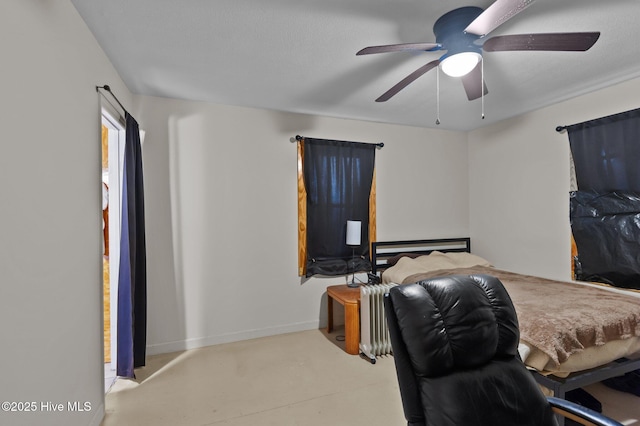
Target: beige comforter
column 561, row 318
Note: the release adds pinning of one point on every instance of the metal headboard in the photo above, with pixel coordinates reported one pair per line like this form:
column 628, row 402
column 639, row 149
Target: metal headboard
column 381, row 251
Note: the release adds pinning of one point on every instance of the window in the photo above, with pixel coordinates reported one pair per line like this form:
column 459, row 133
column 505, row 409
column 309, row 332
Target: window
column 336, row 183
column 605, row 209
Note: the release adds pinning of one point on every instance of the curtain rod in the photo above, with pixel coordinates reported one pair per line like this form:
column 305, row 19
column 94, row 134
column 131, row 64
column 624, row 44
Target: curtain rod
column 379, row 145
column 613, row 117
column 108, row 89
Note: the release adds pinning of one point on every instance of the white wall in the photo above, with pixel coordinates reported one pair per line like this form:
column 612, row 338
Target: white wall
column 519, row 183
column 50, row 246
column 222, row 256
column 221, row 211
column 221, row 207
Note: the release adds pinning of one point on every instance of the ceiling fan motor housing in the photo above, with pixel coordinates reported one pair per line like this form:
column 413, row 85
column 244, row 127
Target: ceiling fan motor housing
column 449, row 31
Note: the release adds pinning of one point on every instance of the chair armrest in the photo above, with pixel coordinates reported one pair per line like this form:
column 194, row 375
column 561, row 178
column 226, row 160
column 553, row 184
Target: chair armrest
column 579, row 413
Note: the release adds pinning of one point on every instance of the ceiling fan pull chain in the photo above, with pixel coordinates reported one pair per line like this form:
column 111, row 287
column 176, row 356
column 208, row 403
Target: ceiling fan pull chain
column 482, row 86
column 437, row 95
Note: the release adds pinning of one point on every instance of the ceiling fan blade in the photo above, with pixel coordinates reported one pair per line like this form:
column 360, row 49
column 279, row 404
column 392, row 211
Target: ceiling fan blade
column 495, row 15
column 566, row 42
column 407, row 80
column 473, row 83
column 399, row 47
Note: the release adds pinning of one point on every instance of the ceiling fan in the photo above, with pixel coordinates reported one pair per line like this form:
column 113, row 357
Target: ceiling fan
column 461, row 32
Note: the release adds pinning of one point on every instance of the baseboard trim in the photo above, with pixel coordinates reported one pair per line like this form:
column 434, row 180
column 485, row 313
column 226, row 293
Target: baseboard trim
column 199, row 342
column 98, row 417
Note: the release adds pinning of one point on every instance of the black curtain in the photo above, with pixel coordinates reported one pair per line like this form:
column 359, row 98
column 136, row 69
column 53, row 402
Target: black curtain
column 132, row 279
column 605, row 211
column 606, row 153
column 338, row 176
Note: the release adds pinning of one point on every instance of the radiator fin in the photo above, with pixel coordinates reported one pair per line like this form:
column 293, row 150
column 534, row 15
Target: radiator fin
column 374, row 333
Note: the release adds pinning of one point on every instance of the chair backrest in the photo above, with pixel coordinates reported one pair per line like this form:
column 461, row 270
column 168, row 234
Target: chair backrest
column 455, row 345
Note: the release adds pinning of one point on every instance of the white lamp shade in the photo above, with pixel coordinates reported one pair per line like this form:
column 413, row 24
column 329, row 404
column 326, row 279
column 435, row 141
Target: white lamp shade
column 353, row 232
column 460, row 64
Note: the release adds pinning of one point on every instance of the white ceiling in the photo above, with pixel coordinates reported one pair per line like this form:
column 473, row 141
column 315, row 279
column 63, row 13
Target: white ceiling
column 300, row 55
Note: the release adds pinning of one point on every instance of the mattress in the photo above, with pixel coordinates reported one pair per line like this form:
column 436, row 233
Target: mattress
column 565, row 326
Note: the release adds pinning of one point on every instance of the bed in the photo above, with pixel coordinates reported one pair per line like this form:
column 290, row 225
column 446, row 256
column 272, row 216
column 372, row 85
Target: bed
column 565, row 341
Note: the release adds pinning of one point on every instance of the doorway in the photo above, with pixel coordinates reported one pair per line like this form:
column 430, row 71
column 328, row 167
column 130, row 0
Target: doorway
column 112, row 140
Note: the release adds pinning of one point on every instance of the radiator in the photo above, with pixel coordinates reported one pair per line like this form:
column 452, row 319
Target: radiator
column 374, row 333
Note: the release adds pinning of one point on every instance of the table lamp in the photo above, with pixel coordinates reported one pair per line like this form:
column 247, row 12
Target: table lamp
column 354, row 228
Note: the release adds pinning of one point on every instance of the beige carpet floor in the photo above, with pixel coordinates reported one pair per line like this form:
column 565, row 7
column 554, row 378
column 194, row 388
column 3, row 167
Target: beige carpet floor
column 297, row 379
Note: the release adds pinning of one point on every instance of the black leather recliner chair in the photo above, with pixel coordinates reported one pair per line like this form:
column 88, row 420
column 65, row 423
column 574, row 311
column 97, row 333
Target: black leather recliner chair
column 455, row 346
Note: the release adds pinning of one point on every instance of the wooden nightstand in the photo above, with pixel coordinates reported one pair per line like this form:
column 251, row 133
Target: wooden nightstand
column 350, row 299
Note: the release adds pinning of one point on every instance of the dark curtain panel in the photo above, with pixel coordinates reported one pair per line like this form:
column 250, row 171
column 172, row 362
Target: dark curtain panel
column 606, row 153
column 338, row 177
column 132, row 279
column 605, row 211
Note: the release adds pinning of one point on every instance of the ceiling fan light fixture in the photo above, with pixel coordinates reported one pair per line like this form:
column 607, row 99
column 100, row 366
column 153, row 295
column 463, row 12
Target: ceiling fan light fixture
column 460, row 64
column 460, row 32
